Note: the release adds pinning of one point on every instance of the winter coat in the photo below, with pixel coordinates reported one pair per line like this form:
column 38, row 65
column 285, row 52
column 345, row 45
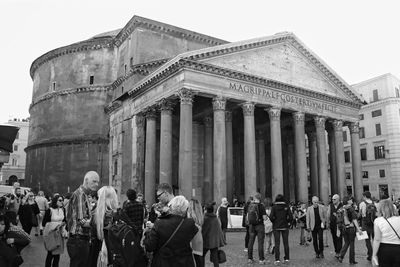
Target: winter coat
column 178, row 251
column 211, row 231
column 281, row 216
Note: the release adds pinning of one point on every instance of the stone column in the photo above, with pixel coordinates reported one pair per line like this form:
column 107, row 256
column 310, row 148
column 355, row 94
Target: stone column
column 208, row 160
column 261, row 162
column 219, row 151
column 322, row 159
column 276, row 151
column 332, row 160
column 250, row 178
column 185, row 143
column 356, row 160
column 301, row 161
column 339, row 155
column 150, row 160
column 230, row 176
column 291, row 166
column 166, row 107
column 313, row 158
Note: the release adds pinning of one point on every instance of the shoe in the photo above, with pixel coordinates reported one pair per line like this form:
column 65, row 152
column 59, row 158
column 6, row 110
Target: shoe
column 261, row 262
column 36, row 235
column 250, row 261
column 245, row 250
column 286, row 261
column 277, row 262
column 337, row 256
column 354, row 262
column 369, row 258
column 41, row 232
column 340, row 259
column 321, row 255
column 317, row 256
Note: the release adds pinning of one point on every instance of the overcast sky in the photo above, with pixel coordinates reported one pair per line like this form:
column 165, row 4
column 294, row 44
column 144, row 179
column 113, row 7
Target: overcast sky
column 358, row 39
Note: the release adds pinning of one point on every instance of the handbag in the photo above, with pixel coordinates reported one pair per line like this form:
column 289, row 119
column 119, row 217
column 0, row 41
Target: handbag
column 221, row 256
column 268, row 225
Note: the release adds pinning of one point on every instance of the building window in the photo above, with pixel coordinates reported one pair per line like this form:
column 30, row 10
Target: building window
column 344, row 136
column 365, row 174
column 15, row 147
column 363, row 152
column 379, row 152
column 14, row 162
column 131, row 61
column 362, row 132
column 375, row 95
column 125, row 68
column 115, row 167
column 378, row 129
column 54, row 86
column 347, row 156
column 348, row 175
column 91, row 79
column 382, row 173
column 17, row 136
column 376, row 113
column 365, row 188
column 361, row 117
column 308, row 161
column 383, row 191
column 397, row 92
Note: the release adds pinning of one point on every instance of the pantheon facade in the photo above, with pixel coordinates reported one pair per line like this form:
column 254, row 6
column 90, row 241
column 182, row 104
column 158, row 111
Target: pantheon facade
column 212, row 118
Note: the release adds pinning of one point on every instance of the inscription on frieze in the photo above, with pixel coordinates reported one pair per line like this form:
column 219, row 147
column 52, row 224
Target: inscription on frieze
column 281, row 97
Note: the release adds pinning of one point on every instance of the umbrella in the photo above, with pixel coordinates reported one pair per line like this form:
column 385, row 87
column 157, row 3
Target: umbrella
column 7, row 137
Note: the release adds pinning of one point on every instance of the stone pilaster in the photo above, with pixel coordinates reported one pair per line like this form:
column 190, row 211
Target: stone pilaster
column 276, row 151
column 185, row 177
column 339, row 155
column 322, row 159
column 150, row 161
column 166, row 108
column 219, row 150
column 230, row 174
column 356, row 160
column 208, row 187
column 250, row 178
column 300, row 162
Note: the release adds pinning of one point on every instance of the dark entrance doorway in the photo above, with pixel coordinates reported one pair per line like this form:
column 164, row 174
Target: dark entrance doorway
column 12, row 179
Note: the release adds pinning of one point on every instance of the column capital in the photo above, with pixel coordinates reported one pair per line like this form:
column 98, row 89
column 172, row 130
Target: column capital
column 319, row 121
column 208, row 122
column 150, row 112
column 186, row 96
column 354, row 127
column 337, row 125
column 248, row 108
column 298, row 118
column 274, row 113
column 139, row 119
column 219, row 103
column 228, row 116
column 166, row 105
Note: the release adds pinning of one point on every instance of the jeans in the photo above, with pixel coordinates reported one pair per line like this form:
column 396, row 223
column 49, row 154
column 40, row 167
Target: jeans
column 52, row 258
column 370, row 232
column 78, row 250
column 94, row 251
column 337, row 240
column 269, row 242
column 246, row 238
column 259, row 231
column 318, row 240
column 213, row 256
column 389, row 255
column 285, row 238
column 349, row 237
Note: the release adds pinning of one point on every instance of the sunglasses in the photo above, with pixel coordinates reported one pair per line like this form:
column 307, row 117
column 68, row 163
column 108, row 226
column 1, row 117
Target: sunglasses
column 60, row 200
column 159, row 195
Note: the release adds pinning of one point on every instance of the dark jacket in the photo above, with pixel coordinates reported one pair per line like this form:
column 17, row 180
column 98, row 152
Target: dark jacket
column 211, row 232
column 27, row 214
column 280, row 216
column 178, row 251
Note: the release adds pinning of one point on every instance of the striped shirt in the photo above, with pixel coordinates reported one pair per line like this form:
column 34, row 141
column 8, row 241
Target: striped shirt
column 78, row 213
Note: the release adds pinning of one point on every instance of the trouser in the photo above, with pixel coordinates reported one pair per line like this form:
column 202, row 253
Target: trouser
column 52, row 258
column 213, row 256
column 389, row 255
column 318, row 240
column 349, row 237
column 259, row 231
column 94, row 250
column 269, row 243
column 27, row 228
column 78, row 250
column 246, row 238
column 370, row 232
column 337, row 240
column 285, row 238
column 40, row 220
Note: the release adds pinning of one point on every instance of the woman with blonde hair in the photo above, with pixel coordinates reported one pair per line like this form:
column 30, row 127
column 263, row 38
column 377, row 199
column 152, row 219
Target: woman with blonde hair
column 386, row 246
column 195, row 211
column 107, row 205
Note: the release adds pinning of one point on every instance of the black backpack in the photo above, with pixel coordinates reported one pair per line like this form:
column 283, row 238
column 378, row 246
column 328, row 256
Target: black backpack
column 370, row 213
column 253, row 214
column 124, row 242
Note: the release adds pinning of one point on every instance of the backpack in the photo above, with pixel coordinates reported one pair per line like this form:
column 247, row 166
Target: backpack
column 370, row 213
column 253, row 214
column 124, row 242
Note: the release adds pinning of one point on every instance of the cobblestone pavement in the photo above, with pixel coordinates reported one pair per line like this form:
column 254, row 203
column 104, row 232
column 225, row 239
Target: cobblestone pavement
column 34, row 255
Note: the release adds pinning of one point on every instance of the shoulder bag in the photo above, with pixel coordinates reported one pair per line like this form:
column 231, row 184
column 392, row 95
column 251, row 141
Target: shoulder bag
column 392, row 227
column 167, row 252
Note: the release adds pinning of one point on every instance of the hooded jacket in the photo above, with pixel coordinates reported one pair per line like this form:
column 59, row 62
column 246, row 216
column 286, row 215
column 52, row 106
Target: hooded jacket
column 280, row 216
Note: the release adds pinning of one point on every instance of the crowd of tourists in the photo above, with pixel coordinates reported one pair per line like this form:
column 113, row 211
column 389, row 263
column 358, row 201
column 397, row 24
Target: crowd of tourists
column 98, row 230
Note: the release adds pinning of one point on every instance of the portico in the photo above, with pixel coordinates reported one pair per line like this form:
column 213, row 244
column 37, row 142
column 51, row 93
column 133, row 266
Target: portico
column 234, row 119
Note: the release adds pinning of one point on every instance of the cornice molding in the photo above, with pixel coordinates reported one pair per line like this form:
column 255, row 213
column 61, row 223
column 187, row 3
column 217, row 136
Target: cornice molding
column 79, row 90
column 112, row 107
column 380, row 103
column 71, row 141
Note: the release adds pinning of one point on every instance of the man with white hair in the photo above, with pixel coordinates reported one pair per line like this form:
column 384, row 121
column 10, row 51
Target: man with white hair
column 78, row 221
column 316, row 220
column 337, row 237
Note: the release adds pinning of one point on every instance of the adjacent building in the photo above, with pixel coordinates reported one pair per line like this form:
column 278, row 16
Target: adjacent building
column 379, row 137
column 14, row 170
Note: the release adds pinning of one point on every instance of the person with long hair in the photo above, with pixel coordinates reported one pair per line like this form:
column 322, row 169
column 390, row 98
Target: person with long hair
column 54, row 219
column 107, row 205
column 386, row 245
column 195, row 212
column 270, row 243
column 28, row 212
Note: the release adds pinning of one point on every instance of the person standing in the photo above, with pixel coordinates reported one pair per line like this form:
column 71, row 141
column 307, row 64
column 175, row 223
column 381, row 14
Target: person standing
column 195, row 212
column 351, row 226
column 28, row 212
column 281, row 218
column 316, row 220
column 367, row 210
column 301, row 216
column 135, row 211
column 43, row 206
column 245, row 223
column 78, row 220
column 13, row 202
column 337, row 237
column 386, row 246
column 222, row 214
column 256, row 228
column 269, row 237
